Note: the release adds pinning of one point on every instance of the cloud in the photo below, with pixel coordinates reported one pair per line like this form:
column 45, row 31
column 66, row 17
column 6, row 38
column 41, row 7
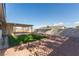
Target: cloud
column 76, row 23
column 40, row 25
column 59, row 24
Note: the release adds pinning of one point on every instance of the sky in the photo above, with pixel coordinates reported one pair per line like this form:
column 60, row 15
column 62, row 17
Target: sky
column 42, row 14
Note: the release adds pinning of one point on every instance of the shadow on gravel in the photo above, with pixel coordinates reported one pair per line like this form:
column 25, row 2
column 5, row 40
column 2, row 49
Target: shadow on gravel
column 2, row 52
column 69, row 48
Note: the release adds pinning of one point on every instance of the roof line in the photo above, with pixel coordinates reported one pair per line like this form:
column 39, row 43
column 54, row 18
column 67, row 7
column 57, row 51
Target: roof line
column 20, row 24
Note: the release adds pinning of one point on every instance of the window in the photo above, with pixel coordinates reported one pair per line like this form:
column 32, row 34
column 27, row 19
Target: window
column 17, row 29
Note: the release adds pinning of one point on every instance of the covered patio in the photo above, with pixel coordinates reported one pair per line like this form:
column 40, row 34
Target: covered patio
column 14, row 28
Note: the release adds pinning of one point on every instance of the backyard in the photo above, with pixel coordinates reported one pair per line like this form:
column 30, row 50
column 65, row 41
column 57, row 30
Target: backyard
column 52, row 46
column 39, row 30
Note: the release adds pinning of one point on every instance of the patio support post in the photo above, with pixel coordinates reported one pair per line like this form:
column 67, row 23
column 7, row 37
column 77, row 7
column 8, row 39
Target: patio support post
column 24, row 29
column 31, row 28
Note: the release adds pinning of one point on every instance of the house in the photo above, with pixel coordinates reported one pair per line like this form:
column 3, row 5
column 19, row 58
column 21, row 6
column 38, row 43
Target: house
column 42, row 30
column 10, row 28
column 55, row 30
column 2, row 18
column 50, row 30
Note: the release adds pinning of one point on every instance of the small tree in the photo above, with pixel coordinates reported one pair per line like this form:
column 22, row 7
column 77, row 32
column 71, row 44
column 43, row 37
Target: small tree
column 77, row 27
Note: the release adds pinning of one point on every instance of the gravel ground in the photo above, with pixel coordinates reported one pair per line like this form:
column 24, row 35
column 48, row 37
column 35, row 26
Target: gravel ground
column 57, row 46
column 33, row 49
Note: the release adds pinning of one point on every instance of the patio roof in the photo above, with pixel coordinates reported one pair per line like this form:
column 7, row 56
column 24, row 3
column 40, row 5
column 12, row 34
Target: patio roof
column 17, row 24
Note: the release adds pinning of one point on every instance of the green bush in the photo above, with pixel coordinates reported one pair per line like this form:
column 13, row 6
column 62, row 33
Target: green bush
column 12, row 41
column 23, row 39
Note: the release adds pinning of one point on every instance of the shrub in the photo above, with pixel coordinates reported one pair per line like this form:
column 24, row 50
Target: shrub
column 12, row 41
column 23, row 39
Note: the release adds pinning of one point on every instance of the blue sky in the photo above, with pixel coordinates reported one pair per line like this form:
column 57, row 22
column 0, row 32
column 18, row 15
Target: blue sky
column 42, row 14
